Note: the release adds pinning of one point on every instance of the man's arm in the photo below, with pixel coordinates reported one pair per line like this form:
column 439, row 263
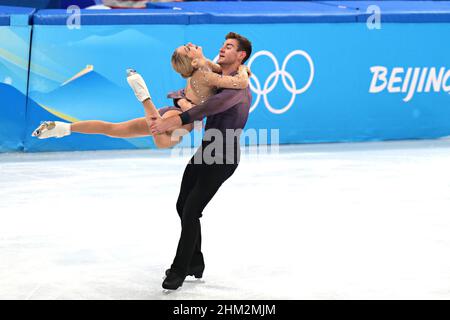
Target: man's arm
column 218, row 103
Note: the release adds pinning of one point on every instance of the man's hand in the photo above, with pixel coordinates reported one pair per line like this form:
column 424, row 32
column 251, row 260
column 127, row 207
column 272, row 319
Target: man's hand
column 184, row 104
column 162, row 125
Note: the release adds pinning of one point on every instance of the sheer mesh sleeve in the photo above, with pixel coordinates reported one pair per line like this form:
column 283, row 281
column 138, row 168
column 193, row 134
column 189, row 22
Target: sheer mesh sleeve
column 238, row 81
column 214, row 66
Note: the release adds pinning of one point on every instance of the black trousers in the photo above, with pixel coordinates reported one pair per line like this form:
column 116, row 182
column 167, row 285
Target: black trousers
column 200, row 183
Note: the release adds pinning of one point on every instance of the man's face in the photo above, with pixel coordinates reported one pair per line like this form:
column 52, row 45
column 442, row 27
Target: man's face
column 229, row 53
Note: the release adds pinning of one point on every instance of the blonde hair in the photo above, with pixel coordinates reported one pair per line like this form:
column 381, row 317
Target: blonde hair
column 182, row 64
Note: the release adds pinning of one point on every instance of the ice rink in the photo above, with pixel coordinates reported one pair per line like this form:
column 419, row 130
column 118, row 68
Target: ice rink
column 323, row 221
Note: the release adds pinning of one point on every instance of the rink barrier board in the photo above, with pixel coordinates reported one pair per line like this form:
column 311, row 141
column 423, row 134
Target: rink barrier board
column 314, row 11
column 307, row 121
column 14, row 65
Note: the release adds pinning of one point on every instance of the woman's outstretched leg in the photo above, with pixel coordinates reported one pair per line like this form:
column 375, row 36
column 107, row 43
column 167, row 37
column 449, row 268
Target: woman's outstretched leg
column 128, row 129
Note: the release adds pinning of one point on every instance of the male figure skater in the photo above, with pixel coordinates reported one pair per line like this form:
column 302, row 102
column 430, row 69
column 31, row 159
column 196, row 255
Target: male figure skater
column 213, row 163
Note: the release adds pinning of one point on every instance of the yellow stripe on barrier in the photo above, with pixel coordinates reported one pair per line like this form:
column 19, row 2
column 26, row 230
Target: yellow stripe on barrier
column 59, row 114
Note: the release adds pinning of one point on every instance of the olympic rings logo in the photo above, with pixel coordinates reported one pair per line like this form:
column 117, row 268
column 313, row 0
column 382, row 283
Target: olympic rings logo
column 285, row 76
column 287, row 79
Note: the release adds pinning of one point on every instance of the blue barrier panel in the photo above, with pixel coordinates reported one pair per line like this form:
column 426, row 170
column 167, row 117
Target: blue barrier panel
column 12, row 15
column 15, row 35
column 347, row 83
column 315, row 82
column 110, row 17
column 259, row 12
column 289, row 11
column 398, row 11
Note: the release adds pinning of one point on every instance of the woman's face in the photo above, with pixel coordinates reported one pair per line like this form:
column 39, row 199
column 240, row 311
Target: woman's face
column 191, row 50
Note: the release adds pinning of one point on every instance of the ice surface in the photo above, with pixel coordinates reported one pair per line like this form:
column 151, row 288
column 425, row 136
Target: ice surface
column 325, row 221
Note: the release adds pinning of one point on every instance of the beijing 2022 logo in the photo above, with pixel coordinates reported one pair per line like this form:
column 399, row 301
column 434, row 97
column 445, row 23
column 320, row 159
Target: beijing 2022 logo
column 263, row 87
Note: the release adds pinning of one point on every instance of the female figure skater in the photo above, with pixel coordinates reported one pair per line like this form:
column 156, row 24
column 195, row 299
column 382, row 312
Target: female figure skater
column 203, row 77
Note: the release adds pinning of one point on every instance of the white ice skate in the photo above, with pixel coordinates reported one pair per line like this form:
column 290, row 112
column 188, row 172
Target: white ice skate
column 138, row 85
column 52, row 129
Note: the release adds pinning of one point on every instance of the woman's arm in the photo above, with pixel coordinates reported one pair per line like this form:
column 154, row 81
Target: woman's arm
column 238, row 81
column 214, row 66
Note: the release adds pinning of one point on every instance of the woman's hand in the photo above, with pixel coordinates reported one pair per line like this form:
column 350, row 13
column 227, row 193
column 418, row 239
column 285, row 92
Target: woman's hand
column 244, row 68
column 198, row 63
